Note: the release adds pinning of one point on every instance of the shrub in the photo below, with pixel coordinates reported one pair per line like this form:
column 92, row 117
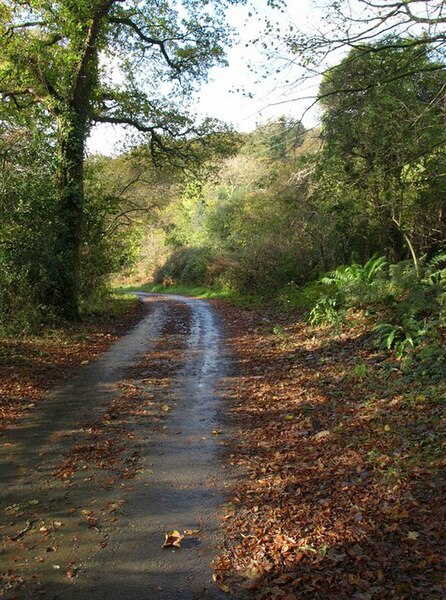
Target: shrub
column 186, row 266
column 262, row 268
column 415, row 308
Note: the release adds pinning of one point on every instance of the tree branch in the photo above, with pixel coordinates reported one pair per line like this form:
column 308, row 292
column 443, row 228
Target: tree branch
column 375, row 84
column 149, row 40
column 124, row 121
column 416, row 19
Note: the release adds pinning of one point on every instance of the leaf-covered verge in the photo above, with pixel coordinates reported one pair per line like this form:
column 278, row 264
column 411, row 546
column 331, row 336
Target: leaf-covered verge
column 342, row 490
column 31, row 366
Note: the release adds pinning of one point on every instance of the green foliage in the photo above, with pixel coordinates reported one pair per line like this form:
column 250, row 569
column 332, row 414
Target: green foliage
column 262, row 214
column 247, row 216
column 277, row 140
column 325, row 312
column 260, row 268
column 187, row 266
column 55, row 66
column 342, row 288
column 414, row 308
column 397, row 337
column 28, row 231
column 195, row 291
column 427, row 363
column 361, row 371
column 280, row 214
column 27, row 224
column 109, row 307
column 384, row 147
column 342, row 277
column 420, row 316
column 305, row 296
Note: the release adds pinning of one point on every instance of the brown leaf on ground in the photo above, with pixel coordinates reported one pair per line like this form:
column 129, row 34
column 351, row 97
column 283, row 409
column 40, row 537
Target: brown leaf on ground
column 341, row 491
column 173, row 539
column 32, row 366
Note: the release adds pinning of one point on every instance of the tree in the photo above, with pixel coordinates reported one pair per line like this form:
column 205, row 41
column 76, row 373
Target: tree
column 384, row 140
column 54, row 60
column 246, row 227
column 363, row 25
column 26, row 221
column 277, row 139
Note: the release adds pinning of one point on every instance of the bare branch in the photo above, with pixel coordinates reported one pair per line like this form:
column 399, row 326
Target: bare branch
column 418, row 19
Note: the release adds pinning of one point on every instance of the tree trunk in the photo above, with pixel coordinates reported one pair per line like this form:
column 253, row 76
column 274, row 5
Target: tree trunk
column 72, row 130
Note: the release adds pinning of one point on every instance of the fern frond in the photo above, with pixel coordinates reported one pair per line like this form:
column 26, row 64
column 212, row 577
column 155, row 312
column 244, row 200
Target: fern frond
column 437, row 260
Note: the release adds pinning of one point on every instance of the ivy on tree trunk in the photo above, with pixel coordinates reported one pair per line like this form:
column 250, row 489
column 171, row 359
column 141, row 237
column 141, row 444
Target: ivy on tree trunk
column 68, row 236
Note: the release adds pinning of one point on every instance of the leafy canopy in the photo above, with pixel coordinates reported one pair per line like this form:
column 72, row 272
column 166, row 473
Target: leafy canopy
column 121, row 61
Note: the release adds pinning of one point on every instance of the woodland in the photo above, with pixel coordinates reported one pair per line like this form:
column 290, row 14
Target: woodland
column 329, row 239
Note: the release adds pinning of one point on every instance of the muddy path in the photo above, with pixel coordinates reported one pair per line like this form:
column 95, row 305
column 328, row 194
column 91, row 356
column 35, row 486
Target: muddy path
column 125, row 452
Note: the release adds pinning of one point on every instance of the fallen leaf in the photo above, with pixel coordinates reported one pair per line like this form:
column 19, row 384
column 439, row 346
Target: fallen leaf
column 322, row 434
column 72, row 570
column 44, row 529
column 173, row 539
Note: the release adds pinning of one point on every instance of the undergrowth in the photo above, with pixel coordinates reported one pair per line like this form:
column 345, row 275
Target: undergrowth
column 407, row 310
column 30, row 320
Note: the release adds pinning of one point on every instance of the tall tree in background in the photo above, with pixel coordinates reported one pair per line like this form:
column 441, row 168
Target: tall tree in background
column 386, row 136
column 103, row 61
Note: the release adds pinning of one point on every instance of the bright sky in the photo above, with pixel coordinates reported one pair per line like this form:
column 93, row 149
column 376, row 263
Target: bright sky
column 223, row 96
column 269, row 96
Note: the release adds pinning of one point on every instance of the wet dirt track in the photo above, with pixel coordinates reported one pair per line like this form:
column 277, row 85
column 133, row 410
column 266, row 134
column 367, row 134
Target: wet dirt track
column 93, row 535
